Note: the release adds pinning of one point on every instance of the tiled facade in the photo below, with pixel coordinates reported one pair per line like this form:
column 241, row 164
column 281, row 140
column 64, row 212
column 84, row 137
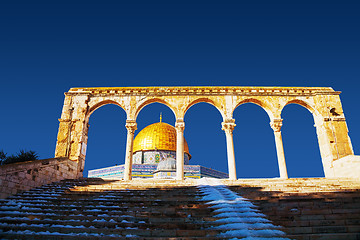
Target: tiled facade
column 146, row 171
column 154, row 157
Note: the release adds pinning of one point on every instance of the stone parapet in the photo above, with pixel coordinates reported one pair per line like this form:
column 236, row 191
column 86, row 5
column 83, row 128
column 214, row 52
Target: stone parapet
column 23, row 176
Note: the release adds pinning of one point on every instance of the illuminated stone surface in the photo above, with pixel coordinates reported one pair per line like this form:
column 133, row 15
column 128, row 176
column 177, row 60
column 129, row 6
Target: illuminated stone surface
column 323, row 102
column 163, row 209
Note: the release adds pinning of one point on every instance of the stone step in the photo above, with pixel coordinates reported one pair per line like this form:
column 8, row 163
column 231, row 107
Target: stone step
column 69, row 237
column 78, row 214
column 104, row 202
column 317, row 223
column 125, row 194
column 125, row 219
column 339, row 202
column 311, row 211
column 323, row 229
column 142, row 225
column 290, row 195
column 118, row 202
column 71, row 195
column 119, row 232
column 118, row 209
column 326, row 236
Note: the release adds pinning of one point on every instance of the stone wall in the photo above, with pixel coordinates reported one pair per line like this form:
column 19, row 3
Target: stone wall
column 17, row 177
column 347, row 167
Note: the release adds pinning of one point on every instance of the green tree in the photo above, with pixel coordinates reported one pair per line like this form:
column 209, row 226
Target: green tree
column 22, row 156
column 2, row 155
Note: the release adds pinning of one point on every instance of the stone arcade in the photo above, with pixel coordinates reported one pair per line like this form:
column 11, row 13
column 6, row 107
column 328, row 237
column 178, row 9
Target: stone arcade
column 324, row 103
column 154, row 156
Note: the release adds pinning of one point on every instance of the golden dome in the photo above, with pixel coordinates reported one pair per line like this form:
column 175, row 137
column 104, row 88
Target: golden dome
column 157, row 136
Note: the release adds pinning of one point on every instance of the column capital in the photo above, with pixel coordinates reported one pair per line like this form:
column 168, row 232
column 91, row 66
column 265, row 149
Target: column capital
column 131, row 126
column 228, row 125
column 276, row 124
column 180, row 125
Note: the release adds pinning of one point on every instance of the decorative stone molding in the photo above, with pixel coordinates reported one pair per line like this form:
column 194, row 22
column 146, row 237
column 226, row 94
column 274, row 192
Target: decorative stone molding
column 164, row 91
column 180, row 125
column 276, row 125
column 131, row 126
column 228, row 125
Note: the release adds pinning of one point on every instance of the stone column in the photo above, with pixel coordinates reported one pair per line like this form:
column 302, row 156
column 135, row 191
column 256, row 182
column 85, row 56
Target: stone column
column 179, row 126
column 131, row 127
column 228, row 126
column 276, row 126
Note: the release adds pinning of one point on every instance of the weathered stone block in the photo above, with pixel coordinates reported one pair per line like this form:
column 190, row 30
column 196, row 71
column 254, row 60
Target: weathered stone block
column 347, row 167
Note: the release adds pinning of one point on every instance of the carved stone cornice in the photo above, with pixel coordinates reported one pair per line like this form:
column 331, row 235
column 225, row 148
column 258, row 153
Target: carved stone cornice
column 276, row 125
column 203, row 91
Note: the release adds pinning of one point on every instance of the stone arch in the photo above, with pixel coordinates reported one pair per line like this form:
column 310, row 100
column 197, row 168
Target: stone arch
column 253, row 132
column 113, row 139
column 92, row 109
column 317, row 117
column 298, row 123
column 302, row 103
column 204, row 117
column 255, row 101
column 150, row 101
column 204, row 100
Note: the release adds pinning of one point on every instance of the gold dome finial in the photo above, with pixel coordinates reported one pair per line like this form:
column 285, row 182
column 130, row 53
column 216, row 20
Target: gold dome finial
column 161, row 117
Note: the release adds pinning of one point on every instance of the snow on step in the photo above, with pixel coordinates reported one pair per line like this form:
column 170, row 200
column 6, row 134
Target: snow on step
column 238, row 217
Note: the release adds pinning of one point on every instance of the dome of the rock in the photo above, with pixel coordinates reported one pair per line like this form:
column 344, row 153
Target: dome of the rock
column 168, row 164
column 158, row 136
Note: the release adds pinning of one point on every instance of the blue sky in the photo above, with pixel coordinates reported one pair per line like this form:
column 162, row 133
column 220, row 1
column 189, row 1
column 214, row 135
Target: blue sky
column 47, row 47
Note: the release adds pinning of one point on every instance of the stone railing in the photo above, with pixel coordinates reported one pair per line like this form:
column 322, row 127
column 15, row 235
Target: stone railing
column 17, row 177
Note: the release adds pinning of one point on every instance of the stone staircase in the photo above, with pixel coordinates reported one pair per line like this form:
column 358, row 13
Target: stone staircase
column 327, row 209
column 64, row 211
column 166, row 209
